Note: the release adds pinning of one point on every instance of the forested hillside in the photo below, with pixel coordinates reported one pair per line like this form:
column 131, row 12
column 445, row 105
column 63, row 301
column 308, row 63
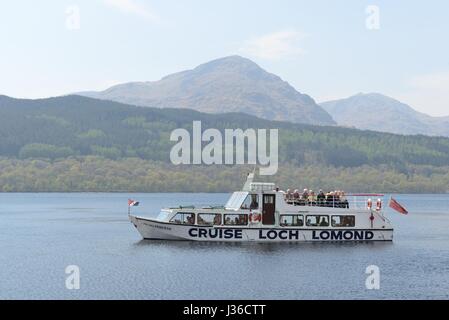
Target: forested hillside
column 98, row 174
column 124, row 140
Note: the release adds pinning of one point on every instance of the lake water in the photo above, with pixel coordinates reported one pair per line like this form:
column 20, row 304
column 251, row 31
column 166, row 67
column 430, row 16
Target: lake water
column 41, row 234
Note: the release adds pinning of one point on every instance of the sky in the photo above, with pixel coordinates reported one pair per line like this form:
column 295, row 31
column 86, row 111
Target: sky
column 328, row 49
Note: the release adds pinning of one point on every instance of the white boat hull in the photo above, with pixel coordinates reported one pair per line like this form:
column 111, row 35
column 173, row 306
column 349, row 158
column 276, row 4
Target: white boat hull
column 151, row 229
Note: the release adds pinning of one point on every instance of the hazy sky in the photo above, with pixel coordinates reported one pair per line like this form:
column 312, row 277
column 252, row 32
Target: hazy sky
column 327, row 49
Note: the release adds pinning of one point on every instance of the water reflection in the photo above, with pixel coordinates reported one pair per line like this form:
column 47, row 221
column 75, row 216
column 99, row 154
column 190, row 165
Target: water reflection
column 263, row 247
column 45, row 233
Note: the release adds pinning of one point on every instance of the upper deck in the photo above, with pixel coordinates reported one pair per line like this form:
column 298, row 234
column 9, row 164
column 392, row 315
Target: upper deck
column 262, row 205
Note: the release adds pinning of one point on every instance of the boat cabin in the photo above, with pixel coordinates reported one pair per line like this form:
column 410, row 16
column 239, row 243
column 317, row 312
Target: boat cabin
column 262, row 205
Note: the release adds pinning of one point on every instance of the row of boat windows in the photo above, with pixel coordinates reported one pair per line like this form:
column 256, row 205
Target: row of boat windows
column 210, row 219
column 317, row 221
column 293, row 220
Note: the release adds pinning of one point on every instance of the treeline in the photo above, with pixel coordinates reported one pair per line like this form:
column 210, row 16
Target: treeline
column 77, row 126
column 98, row 174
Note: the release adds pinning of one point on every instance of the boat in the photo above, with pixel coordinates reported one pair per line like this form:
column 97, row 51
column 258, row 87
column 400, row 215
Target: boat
column 260, row 212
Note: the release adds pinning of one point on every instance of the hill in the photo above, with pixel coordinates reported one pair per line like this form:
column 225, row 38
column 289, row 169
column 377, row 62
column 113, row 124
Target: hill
column 378, row 112
column 231, row 84
column 76, row 143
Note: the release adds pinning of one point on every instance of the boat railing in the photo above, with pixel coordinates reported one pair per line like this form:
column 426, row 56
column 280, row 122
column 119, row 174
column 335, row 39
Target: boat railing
column 204, row 207
column 350, row 201
column 213, row 207
column 367, row 201
column 183, row 208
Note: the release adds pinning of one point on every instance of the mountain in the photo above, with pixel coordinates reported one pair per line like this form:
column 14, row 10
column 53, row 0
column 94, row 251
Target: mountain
column 230, row 84
column 374, row 111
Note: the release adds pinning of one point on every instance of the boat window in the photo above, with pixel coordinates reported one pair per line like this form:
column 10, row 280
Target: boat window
column 209, row 219
column 251, row 202
column 268, row 199
column 294, row 220
column 317, row 221
column 236, row 219
column 163, row 215
column 184, row 218
column 236, row 200
column 343, row 221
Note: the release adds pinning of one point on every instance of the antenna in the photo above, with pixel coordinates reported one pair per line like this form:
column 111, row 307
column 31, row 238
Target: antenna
column 249, row 181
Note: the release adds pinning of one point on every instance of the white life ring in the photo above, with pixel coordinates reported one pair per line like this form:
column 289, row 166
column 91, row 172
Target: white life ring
column 255, row 217
column 379, row 205
column 369, row 204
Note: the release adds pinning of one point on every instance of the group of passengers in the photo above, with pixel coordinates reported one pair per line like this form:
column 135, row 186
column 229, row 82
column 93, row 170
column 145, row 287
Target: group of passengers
column 239, row 220
column 209, row 222
column 333, row 199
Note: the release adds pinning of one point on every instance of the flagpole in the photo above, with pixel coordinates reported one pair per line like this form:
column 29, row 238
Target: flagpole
column 389, row 202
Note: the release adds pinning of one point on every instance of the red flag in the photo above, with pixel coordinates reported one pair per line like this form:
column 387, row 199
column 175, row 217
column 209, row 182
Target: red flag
column 132, row 203
column 396, row 206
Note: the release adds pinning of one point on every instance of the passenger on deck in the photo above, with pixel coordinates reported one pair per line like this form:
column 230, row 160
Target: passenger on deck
column 305, row 194
column 304, row 198
column 289, row 195
column 312, row 198
column 321, row 198
column 344, row 201
column 336, row 199
column 296, row 195
column 337, row 196
column 330, row 199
